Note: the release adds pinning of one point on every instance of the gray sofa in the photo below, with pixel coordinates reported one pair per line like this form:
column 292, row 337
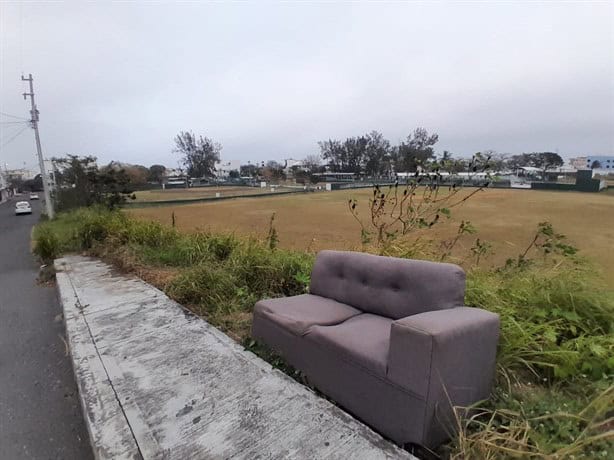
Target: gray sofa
column 388, row 339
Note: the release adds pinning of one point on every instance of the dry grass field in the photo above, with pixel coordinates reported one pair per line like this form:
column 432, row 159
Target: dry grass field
column 196, row 193
column 505, row 218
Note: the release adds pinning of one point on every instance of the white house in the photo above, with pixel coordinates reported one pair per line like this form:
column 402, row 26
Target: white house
column 291, row 162
column 22, row 174
column 223, row 168
column 173, row 172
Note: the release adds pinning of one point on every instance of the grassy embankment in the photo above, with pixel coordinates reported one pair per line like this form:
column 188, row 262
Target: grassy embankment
column 556, row 353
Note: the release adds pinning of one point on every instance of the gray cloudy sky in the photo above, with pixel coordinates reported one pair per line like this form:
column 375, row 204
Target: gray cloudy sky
column 268, row 80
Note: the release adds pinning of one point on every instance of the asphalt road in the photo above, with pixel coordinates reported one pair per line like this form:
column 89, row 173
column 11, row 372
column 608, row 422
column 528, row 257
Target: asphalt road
column 40, row 415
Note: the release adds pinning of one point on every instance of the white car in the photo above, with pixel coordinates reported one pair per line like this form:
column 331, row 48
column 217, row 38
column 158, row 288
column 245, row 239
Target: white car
column 34, row 196
column 22, row 207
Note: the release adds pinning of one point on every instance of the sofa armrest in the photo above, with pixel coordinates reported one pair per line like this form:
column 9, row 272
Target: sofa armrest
column 450, row 352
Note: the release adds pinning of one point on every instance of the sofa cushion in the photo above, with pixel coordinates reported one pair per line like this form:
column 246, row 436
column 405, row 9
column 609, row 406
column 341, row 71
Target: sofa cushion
column 299, row 313
column 362, row 340
column 387, row 286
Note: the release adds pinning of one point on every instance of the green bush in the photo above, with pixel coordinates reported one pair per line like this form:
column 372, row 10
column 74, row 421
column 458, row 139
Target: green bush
column 188, row 250
column 556, row 321
column 46, row 245
column 210, row 289
column 537, row 422
column 221, row 246
column 90, row 232
column 267, row 273
column 149, row 234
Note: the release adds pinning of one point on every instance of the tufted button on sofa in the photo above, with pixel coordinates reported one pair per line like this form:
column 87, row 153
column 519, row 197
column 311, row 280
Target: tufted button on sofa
column 389, row 340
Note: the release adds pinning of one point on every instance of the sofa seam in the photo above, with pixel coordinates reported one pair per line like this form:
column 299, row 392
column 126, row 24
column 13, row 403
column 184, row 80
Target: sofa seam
column 308, row 329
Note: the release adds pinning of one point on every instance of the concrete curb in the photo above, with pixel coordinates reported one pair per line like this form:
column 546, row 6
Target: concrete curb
column 156, row 382
column 110, row 434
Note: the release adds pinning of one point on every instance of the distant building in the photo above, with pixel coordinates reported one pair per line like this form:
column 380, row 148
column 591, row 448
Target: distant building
column 22, row 174
column 578, row 163
column 292, row 163
column 173, row 172
column 223, row 168
column 600, row 163
column 174, row 178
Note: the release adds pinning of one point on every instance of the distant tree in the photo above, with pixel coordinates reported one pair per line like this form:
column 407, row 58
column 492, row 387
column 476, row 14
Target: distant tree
column 446, row 162
column 498, row 161
column 137, row 174
column 446, row 156
column 156, row 173
column 34, row 185
column 519, row 161
column 374, row 156
column 16, row 183
column 457, row 165
column 369, row 154
column 273, row 171
column 300, row 175
column 80, row 183
column 355, row 153
column 234, row 174
column 416, row 151
column 312, row 163
column 333, row 151
column 545, row 161
column 199, row 154
column 73, row 171
column 249, row 170
column 272, row 164
column 377, row 155
column 596, row 164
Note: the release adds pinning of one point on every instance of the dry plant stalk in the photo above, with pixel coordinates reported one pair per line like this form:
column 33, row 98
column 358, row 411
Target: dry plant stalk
column 420, row 203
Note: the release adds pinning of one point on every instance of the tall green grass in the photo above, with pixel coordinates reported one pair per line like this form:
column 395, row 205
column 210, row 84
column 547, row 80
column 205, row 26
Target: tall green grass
column 556, row 321
column 556, row 350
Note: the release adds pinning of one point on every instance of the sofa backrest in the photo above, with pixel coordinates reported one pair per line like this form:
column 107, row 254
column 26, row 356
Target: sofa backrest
column 387, row 286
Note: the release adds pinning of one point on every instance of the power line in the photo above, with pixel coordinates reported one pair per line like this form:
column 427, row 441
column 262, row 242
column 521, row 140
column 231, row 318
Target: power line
column 12, row 138
column 8, row 130
column 13, row 116
column 14, row 122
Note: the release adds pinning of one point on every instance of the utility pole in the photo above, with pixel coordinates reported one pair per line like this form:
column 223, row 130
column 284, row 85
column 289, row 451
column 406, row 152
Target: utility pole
column 41, row 163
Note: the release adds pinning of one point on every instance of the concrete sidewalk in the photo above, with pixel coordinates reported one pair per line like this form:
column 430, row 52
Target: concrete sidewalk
column 158, row 382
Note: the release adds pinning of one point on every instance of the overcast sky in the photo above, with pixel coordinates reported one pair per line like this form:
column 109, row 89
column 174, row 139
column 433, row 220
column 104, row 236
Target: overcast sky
column 269, row 80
